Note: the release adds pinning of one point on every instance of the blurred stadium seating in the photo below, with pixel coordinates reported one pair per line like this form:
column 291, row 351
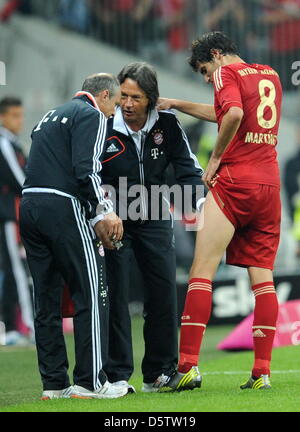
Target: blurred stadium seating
column 50, row 46
column 160, row 31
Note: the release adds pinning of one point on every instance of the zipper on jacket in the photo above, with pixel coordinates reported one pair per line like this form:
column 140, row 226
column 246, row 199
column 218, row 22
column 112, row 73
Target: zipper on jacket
column 142, row 176
column 140, row 155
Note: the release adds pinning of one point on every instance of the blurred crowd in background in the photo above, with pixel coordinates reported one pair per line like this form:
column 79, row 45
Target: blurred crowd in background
column 160, row 31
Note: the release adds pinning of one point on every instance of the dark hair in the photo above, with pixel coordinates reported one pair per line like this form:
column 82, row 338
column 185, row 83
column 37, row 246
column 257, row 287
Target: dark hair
column 96, row 83
column 201, row 48
column 9, row 101
column 145, row 76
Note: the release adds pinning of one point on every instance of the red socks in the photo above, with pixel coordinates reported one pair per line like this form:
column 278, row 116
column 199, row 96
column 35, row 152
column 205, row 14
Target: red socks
column 264, row 326
column 195, row 316
column 197, row 312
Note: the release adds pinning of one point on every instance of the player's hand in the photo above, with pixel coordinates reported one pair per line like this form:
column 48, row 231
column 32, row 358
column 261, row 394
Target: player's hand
column 214, row 180
column 164, row 104
column 108, row 229
column 210, row 176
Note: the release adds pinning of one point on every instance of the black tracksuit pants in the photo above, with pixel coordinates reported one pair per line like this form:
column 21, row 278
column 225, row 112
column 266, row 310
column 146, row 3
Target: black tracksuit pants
column 60, row 248
column 152, row 242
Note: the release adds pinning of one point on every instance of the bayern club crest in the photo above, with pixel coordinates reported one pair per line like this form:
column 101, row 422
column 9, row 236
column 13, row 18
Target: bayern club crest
column 158, row 136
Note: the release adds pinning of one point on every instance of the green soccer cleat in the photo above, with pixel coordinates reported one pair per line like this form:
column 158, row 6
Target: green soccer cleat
column 179, row 381
column 263, row 382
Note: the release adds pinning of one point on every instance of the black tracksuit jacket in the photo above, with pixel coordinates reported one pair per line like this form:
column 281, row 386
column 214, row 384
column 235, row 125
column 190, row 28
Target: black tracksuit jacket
column 65, row 157
column 165, row 143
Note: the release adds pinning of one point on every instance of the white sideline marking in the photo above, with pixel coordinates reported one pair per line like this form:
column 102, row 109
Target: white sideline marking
column 243, row 372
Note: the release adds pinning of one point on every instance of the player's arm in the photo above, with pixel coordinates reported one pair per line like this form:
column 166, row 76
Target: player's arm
column 198, row 110
column 227, row 93
column 229, row 127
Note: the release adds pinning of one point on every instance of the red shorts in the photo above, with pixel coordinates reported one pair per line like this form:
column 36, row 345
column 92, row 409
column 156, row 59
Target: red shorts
column 255, row 212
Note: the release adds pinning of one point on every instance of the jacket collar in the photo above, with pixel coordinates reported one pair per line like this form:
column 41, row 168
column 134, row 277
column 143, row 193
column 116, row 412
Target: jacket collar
column 8, row 134
column 120, row 125
column 89, row 96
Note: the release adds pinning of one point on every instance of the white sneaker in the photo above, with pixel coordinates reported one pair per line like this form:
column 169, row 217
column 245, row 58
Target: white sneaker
column 107, row 391
column 57, row 394
column 130, row 388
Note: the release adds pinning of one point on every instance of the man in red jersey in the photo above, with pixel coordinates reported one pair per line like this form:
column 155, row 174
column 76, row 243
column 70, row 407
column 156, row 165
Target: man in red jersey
column 242, row 209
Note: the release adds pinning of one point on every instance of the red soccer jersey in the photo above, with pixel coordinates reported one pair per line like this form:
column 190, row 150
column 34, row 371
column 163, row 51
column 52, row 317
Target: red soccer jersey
column 251, row 156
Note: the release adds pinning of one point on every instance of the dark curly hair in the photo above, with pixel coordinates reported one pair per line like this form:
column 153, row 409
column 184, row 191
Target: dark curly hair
column 201, row 48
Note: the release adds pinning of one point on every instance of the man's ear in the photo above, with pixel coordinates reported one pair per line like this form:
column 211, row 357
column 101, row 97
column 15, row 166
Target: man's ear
column 216, row 53
column 105, row 95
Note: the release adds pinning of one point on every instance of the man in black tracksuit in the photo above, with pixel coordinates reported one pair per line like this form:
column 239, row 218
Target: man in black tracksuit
column 15, row 288
column 141, row 143
column 61, row 194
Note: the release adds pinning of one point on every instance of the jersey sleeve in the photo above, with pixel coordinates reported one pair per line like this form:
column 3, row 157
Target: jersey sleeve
column 227, row 89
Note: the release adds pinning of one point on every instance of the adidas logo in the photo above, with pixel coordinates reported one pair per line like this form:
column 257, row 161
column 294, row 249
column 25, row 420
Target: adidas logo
column 112, row 148
column 258, row 333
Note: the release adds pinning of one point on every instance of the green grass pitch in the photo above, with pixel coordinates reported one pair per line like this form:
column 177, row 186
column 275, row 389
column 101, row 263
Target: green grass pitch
column 223, row 372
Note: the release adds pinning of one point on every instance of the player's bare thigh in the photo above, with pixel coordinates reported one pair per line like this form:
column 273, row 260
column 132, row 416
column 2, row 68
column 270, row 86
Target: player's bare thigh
column 212, row 240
